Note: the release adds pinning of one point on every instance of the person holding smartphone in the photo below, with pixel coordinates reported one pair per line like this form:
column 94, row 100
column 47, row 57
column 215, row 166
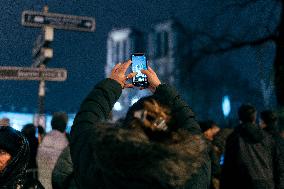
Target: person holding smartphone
column 158, row 145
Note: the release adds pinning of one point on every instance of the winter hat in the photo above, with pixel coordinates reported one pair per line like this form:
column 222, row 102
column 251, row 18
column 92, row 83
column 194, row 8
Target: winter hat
column 9, row 140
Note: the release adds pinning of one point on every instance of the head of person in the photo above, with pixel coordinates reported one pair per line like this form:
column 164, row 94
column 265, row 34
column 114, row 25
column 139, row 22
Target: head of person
column 268, row 120
column 59, row 121
column 209, row 129
column 148, row 113
column 247, row 113
column 14, row 156
column 5, row 122
column 29, row 130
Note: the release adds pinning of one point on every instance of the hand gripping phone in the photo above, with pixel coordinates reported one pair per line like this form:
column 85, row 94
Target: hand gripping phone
column 139, row 62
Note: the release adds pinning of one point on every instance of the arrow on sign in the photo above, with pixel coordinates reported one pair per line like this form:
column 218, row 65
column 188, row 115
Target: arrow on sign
column 25, row 73
column 58, row 21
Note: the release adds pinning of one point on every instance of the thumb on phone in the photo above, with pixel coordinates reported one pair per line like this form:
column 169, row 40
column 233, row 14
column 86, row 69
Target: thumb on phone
column 153, row 79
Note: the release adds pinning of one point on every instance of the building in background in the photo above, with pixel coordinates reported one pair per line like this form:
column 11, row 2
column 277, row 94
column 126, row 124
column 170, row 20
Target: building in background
column 166, row 49
column 120, row 44
column 214, row 85
column 162, row 47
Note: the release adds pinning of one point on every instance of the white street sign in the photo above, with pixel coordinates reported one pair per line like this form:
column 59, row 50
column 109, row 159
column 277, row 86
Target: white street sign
column 26, row 73
column 58, row 21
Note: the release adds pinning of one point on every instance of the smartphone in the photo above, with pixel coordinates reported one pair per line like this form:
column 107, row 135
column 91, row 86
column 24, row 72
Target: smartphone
column 139, row 62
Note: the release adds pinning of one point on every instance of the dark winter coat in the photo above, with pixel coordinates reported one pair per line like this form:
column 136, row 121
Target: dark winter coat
column 249, row 159
column 13, row 176
column 280, row 162
column 63, row 174
column 109, row 157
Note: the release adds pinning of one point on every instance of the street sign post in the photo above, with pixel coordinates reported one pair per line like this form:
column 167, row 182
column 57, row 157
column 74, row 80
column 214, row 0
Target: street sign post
column 42, row 57
column 38, row 74
column 58, row 21
column 43, row 40
column 41, row 52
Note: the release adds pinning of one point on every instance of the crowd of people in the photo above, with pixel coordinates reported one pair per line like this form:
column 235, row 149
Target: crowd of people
column 159, row 144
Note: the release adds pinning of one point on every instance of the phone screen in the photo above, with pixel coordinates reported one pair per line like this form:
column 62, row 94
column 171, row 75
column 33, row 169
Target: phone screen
column 139, row 62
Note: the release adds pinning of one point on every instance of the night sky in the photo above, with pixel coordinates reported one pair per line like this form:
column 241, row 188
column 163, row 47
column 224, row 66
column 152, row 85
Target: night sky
column 83, row 54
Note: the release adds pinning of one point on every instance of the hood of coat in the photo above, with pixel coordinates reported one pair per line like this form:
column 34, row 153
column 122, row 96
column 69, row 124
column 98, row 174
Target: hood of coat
column 131, row 155
column 17, row 145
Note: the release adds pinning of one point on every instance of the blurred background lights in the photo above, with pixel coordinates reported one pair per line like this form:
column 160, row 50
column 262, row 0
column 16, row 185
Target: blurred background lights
column 117, row 106
column 226, row 105
column 134, row 100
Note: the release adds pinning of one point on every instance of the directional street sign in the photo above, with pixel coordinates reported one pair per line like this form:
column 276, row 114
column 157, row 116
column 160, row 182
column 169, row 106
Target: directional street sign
column 26, row 73
column 58, row 21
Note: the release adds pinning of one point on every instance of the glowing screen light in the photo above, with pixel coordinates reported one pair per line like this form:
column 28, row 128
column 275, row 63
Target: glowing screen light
column 226, row 106
column 134, row 100
column 117, row 106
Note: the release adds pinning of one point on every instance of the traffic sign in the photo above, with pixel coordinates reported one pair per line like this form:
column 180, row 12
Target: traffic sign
column 58, row 21
column 26, row 73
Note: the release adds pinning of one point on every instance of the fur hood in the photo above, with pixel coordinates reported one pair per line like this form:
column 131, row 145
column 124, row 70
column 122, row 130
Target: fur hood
column 123, row 153
column 17, row 145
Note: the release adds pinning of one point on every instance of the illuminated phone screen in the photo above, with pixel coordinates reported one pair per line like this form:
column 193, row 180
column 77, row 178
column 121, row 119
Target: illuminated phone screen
column 139, row 62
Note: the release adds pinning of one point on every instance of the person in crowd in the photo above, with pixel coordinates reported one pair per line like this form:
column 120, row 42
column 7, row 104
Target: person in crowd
column 210, row 129
column 29, row 131
column 5, row 121
column 218, row 146
column 40, row 133
column 14, row 156
column 63, row 173
column 159, row 144
column 268, row 122
column 51, row 147
column 280, row 148
column 249, row 156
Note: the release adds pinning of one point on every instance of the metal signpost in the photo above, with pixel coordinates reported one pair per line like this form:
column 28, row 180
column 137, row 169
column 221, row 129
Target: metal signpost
column 42, row 52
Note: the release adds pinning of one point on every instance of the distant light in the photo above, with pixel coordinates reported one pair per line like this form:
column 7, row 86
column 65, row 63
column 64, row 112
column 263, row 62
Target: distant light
column 39, row 19
column 226, row 106
column 117, row 106
column 134, row 100
column 120, row 35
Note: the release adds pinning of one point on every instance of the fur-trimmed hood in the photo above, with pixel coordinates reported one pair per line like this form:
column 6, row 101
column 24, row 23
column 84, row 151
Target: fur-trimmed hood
column 128, row 154
column 17, row 145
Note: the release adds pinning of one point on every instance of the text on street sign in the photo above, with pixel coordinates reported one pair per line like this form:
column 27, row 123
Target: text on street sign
column 58, row 21
column 26, row 73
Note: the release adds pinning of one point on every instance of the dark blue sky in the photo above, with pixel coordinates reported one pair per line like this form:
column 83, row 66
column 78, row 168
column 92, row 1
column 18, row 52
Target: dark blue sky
column 84, row 54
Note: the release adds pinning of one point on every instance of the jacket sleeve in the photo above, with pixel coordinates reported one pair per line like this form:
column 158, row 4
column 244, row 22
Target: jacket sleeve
column 230, row 170
column 182, row 113
column 278, row 159
column 95, row 108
